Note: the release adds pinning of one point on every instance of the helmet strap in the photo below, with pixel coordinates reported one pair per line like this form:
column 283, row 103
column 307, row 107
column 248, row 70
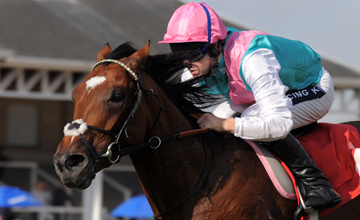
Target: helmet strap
column 215, row 63
column 203, row 50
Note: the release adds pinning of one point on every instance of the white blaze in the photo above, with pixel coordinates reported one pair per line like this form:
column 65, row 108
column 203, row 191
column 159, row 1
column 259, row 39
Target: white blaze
column 94, row 81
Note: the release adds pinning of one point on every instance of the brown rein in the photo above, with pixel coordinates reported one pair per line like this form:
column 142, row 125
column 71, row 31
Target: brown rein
column 155, row 141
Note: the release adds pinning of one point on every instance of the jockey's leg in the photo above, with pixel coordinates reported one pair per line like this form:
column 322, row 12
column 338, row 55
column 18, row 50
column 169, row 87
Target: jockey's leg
column 308, row 111
column 319, row 192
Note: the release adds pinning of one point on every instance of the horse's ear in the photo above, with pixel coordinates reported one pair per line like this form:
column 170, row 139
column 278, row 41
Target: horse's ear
column 142, row 54
column 104, row 53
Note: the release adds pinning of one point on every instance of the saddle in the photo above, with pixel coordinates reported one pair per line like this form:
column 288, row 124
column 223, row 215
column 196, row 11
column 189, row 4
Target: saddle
column 335, row 148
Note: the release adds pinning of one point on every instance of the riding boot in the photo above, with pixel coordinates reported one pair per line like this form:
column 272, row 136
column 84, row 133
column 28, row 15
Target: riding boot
column 319, row 192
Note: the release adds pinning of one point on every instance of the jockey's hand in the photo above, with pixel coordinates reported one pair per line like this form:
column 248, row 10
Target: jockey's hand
column 212, row 122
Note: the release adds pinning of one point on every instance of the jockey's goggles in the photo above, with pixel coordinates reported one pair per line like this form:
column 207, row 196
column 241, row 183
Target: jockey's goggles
column 197, row 58
column 200, row 50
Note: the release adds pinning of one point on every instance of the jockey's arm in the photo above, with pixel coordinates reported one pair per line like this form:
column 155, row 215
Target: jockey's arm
column 270, row 117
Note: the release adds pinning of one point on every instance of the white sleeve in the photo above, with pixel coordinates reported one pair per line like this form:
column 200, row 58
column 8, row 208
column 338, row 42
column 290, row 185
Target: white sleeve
column 270, row 117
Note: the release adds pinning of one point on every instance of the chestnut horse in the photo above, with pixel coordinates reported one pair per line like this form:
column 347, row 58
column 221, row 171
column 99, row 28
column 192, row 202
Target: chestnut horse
column 124, row 102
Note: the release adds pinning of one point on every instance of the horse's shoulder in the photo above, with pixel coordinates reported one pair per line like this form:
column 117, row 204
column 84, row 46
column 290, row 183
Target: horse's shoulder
column 222, row 144
column 230, row 153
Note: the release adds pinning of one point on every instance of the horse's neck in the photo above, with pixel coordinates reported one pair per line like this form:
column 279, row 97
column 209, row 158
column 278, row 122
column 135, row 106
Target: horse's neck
column 175, row 167
column 171, row 120
column 169, row 173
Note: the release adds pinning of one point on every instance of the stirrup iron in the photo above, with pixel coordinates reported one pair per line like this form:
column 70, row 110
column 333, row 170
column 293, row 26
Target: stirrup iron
column 313, row 213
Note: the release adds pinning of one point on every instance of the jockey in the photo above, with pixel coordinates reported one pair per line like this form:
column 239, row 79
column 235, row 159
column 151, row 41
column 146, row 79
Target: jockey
column 280, row 81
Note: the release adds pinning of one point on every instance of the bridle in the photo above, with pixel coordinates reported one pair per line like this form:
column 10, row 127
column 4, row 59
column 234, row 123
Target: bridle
column 121, row 152
column 154, row 141
column 135, row 105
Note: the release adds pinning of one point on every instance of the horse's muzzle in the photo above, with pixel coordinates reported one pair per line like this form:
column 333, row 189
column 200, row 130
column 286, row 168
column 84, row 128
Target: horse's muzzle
column 76, row 170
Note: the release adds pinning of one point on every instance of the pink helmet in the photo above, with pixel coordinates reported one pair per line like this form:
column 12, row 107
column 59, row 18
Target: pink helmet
column 191, row 23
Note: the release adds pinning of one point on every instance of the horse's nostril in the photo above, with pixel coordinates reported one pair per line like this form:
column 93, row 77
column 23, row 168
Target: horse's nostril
column 74, row 160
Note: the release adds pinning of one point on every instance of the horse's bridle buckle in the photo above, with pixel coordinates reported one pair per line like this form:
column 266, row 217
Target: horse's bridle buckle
column 108, row 154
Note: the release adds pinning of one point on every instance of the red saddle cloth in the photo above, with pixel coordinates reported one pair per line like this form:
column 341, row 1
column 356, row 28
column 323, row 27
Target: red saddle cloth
column 335, row 148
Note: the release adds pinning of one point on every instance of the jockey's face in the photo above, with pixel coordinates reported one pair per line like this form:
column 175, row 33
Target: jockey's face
column 200, row 67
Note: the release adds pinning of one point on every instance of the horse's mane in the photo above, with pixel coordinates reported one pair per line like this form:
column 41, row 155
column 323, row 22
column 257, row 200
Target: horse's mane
column 166, row 70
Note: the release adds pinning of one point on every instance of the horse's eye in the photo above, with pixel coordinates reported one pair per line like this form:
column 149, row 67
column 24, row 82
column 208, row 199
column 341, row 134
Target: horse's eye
column 117, row 96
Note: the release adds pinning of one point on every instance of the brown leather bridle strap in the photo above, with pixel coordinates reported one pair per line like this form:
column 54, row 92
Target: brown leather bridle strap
column 156, row 141
column 193, row 132
column 196, row 115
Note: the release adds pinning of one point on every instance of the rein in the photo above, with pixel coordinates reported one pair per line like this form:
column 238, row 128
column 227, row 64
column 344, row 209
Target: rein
column 154, row 141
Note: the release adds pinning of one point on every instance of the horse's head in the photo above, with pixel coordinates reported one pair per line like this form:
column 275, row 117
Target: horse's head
column 103, row 105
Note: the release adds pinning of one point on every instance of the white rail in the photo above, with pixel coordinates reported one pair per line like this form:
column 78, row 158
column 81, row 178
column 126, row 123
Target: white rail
column 40, row 78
